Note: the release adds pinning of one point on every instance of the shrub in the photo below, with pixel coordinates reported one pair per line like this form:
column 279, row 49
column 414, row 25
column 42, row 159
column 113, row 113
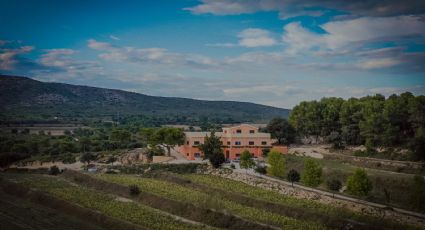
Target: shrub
column 261, row 169
column 293, row 176
column 265, row 151
column 134, row 190
column 359, row 183
column 54, row 170
column 334, row 185
column 277, row 164
column 232, row 166
column 246, row 160
column 312, row 174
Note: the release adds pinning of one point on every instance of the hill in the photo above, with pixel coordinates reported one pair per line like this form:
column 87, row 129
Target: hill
column 23, row 98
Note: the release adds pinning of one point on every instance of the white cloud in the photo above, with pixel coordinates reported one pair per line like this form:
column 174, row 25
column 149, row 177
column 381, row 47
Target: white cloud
column 254, row 37
column 290, row 8
column 378, row 63
column 148, row 55
column 9, row 58
column 114, row 37
column 62, row 62
column 353, row 33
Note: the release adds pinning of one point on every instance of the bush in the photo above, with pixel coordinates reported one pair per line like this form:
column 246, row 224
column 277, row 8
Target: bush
column 232, row 166
column 54, row 170
column 277, row 164
column 312, row 174
column 359, row 184
column 134, row 190
column 261, row 169
column 334, row 185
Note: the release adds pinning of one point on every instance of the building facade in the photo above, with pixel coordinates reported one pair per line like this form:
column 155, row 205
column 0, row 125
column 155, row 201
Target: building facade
column 234, row 141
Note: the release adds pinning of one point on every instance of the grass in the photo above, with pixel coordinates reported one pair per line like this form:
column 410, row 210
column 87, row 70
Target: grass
column 16, row 213
column 181, row 193
column 102, row 202
column 396, row 185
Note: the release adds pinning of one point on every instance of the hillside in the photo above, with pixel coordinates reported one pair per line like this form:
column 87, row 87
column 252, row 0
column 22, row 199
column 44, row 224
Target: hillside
column 23, row 98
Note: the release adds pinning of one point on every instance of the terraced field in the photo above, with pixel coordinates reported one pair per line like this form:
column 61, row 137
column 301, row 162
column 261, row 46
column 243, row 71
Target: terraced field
column 192, row 202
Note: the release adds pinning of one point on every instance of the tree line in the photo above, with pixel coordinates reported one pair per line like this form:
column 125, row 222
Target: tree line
column 374, row 121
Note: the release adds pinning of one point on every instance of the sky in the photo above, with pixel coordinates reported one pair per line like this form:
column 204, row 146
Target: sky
column 272, row 52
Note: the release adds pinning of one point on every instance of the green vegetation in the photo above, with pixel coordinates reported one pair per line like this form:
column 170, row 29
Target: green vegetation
column 102, row 202
column 312, row 173
column 277, row 164
column 373, row 121
column 184, row 194
column 358, row 183
column 211, row 148
column 22, row 145
column 246, row 160
column 334, row 185
column 309, row 206
column 174, row 168
column 134, row 190
column 280, row 129
column 165, row 136
column 71, row 103
column 293, row 176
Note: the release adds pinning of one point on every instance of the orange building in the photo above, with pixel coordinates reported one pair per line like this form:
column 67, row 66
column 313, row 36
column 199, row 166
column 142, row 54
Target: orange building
column 234, row 141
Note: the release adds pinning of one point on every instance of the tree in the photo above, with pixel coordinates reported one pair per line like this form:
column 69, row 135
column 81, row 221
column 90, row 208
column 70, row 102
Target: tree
column 246, row 160
column 165, row 136
column 280, row 129
column 85, row 144
column 170, row 137
column 277, row 164
column 120, row 135
column 293, row 176
column 211, row 148
column 334, row 185
column 359, row 184
column 312, row 174
column 87, row 157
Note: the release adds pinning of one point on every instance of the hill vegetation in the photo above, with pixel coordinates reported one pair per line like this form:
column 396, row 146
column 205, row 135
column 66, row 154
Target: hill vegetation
column 379, row 123
column 25, row 99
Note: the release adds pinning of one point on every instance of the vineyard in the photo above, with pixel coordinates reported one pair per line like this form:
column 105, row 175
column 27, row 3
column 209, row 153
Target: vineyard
column 183, row 201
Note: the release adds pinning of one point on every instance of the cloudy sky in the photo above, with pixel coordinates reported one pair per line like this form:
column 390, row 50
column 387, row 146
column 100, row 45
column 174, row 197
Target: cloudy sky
column 274, row 52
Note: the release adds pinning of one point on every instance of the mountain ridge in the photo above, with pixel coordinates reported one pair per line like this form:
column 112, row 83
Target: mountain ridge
column 23, row 98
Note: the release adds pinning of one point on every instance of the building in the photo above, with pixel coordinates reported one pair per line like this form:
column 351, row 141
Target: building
column 234, row 141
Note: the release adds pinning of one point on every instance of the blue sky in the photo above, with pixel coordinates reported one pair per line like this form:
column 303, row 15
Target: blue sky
column 274, row 52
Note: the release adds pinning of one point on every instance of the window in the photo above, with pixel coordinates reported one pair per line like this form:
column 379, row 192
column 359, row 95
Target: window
column 197, row 155
column 196, row 142
column 187, row 154
column 264, row 142
column 251, row 131
column 228, row 143
column 251, row 143
column 237, row 143
column 187, row 142
column 238, row 131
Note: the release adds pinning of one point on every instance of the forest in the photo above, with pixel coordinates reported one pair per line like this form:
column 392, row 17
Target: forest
column 396, row 122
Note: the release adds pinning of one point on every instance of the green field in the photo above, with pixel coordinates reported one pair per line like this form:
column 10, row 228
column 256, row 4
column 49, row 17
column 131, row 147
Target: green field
column 396, row 185
column 192, row 201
